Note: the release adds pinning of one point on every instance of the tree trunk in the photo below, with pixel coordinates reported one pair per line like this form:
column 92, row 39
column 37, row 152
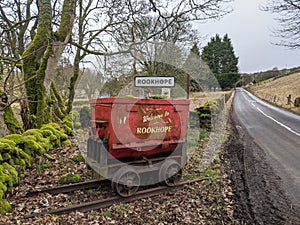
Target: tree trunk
column 3, row 127
column 35, row 59
column 63, row 36
column 73, row 81
column 42, row 55
column 8, row 120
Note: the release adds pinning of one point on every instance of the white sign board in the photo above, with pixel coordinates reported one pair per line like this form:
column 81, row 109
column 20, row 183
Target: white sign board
column 154, row 81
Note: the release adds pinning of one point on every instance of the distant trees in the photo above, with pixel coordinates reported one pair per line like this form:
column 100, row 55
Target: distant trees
column 90, row 82
column 288, row 12
column 220, row 57
column 198, row 69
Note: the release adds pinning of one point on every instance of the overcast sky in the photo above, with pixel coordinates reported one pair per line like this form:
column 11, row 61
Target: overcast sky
column 250, row 31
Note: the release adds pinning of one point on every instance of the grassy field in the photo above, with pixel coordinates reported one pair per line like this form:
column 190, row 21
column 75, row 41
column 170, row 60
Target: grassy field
column 199, row 98
column 277, row 91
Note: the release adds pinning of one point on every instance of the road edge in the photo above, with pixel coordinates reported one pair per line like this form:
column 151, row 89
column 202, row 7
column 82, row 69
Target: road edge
column 256, row 186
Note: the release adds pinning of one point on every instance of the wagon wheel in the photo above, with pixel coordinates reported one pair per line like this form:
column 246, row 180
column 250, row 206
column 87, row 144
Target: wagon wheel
column 170, row 172
column 126, row 182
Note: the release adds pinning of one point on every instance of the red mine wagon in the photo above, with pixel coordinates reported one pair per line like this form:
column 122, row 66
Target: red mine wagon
column 137, row 141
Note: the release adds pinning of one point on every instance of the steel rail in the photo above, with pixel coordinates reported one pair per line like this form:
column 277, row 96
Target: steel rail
column 104, row 203
column 69, row 187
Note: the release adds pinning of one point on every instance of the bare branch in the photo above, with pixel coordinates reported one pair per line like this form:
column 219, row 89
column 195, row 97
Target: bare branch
column 288, row 17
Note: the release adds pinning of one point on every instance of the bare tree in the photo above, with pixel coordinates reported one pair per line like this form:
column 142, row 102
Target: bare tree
column 35, row 48
column 36, row 33
column 288, row 16
column 181, row 34
column 115, row 27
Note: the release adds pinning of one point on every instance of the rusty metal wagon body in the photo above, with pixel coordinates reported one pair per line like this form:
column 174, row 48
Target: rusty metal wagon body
column 137, row 141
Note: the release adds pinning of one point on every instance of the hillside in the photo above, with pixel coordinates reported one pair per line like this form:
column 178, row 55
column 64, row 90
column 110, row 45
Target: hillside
column 257, row 77
column 277, row 91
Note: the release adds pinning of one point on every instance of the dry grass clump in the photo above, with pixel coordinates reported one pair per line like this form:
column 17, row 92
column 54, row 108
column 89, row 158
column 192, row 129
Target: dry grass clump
column 278, row 90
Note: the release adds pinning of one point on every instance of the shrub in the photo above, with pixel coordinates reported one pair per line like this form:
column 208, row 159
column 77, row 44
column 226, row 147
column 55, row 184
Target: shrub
column 206, row 112
column 85, row 116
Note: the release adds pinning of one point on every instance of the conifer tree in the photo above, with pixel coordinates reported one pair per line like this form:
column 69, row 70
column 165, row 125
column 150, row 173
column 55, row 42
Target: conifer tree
column 220, row 57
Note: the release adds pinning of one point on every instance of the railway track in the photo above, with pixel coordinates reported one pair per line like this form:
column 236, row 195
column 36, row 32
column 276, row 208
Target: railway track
column 104, row 203
column 69, row 188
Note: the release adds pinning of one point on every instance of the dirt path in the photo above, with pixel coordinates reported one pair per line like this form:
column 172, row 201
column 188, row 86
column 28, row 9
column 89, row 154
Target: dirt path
column 258, row 189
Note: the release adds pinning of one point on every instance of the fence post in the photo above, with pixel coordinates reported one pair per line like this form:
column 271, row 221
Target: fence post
column 289, row 99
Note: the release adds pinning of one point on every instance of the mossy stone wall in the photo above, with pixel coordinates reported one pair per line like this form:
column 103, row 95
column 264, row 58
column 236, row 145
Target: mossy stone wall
column 18, row 152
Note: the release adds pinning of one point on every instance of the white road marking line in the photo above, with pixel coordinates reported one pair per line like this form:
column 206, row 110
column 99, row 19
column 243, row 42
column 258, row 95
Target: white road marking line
column 276, row 121
column 270, row 117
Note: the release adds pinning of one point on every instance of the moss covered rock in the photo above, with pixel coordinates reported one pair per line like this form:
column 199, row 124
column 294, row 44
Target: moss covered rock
column 46, row 133
column 5, row 146
column 34, row 132
column 18, row 164
column 33, row 147
column 58, row 135
column 11, row 122
column 206, row 112
column 38, row 136
column 27, row 143
column 3, row 186
column 19, row 140
column 9, row 142
column 53, row 140
column 8, row 176
column 212, row 105
column 69, row 178
column 3, row 189
column 27, row 158
column 9, row 150
column 78, row 158
column 18, row 151
column 4, row 207
column 68, row 124
column 6, row 157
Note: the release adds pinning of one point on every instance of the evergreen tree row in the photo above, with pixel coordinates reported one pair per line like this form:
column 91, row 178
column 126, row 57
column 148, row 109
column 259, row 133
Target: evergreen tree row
column 220, row 57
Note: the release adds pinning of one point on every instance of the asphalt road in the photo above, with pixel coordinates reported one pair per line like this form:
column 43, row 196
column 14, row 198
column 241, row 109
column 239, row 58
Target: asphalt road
column 277, row 132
